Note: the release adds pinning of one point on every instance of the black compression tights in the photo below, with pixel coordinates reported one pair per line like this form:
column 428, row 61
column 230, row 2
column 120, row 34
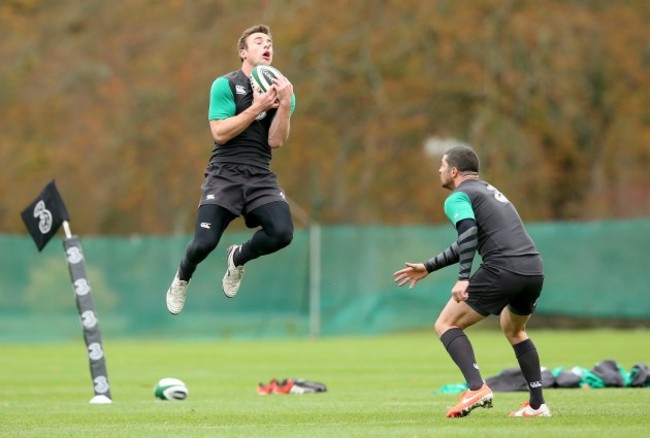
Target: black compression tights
column 275, row 234
column 212, row 220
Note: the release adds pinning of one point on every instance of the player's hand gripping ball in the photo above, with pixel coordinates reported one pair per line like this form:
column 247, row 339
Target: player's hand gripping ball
column 262, row 77
column 170, row 388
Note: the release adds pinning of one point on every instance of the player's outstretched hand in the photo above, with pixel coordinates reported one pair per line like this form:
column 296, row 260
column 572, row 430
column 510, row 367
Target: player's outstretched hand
column 413, row 273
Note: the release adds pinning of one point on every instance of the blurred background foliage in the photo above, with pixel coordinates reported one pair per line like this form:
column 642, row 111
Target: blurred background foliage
column 110, row 98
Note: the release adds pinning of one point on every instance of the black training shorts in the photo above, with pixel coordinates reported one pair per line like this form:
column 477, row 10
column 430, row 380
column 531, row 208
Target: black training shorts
column 239, row 188
column 492, row 288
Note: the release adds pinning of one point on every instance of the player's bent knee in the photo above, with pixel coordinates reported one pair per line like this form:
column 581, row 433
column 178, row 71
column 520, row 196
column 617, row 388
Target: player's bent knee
column 514, row 335
column 440, row 327
column 283, row 238
column 204, row 247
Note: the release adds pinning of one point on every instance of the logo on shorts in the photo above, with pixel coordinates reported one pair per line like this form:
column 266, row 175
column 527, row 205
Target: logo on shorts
column 210, row 197
column 205, row 225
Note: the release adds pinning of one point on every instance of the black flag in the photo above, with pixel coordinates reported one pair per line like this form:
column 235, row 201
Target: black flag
column 44, row 216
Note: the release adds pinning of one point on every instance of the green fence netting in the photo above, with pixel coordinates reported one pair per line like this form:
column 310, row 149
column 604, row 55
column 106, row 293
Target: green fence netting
column 593, row 269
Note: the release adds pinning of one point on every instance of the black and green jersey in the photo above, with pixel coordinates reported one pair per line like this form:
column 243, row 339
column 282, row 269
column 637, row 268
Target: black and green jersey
column 230, row 95
column 502, row 238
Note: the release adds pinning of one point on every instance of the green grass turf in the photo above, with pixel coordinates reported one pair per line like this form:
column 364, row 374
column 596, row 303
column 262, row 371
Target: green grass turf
column 377, row 387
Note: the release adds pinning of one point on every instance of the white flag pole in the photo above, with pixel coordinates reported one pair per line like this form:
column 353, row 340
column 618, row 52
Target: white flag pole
column 86, row 308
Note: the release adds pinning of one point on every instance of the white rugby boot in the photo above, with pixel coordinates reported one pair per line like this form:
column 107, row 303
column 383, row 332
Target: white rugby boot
column 527, row 411
column 176, row 295
column 234, row 274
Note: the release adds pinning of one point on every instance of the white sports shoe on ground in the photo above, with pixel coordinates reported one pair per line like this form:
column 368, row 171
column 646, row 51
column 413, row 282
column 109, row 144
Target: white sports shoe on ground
column 527, row 411
column 234, row 274
column 176, row 295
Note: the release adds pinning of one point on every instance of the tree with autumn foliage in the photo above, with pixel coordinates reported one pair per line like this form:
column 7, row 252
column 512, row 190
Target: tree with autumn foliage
column 110, row 98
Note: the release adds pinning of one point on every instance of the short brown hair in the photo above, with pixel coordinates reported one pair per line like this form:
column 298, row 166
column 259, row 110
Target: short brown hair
column 260, row 28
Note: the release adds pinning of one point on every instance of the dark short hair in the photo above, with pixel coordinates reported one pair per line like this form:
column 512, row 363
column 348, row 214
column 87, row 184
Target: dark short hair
column 463, row 158
column 260, row 28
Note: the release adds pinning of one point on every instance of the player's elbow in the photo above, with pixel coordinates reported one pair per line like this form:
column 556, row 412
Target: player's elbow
column 219, row 135
column 276, row 143
column 219, row 139
column 278, row 134
column 278, row 139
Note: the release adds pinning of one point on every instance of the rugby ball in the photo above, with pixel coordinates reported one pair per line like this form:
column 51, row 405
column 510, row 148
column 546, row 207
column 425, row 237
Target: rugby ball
column 263, row 75
column 170, row 388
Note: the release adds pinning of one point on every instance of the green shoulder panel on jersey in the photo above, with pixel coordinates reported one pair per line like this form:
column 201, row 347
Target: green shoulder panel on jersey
column 222, row 102
column 458, row 207
column 293, row 102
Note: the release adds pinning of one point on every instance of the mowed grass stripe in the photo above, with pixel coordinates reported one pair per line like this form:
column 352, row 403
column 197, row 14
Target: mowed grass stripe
column 377, row 386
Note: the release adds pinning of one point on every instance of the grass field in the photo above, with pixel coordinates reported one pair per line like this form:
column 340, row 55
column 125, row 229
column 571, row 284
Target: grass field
column 377, row 387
